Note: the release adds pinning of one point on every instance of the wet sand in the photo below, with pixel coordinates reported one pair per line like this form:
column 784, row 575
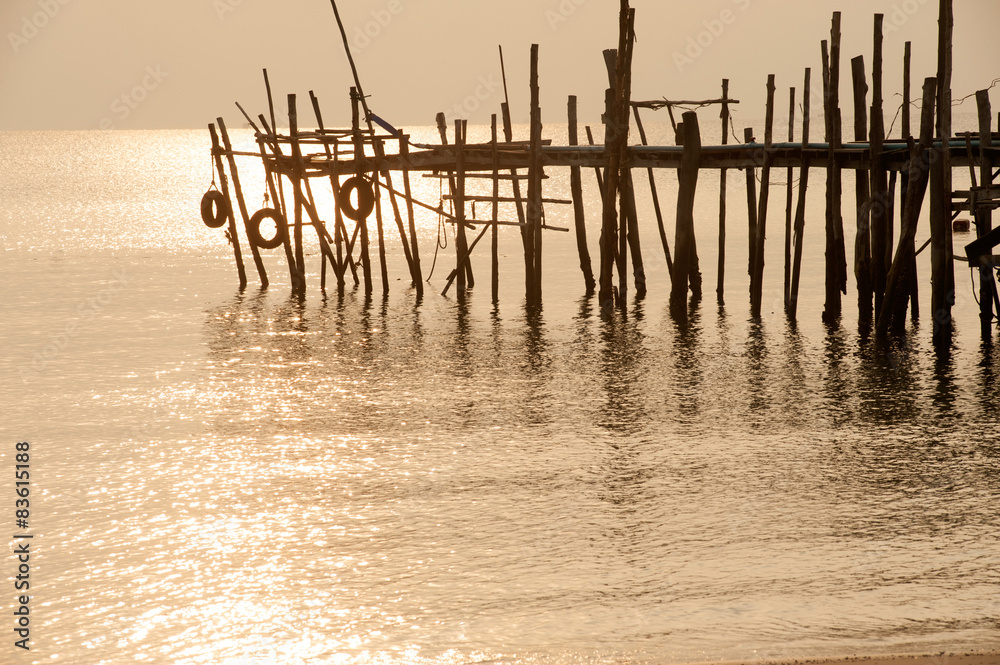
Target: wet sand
column 992, row 658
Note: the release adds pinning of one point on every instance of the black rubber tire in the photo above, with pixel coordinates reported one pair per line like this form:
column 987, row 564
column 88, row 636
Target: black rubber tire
column 214, row 209
column 366, row 198
column 253, row 230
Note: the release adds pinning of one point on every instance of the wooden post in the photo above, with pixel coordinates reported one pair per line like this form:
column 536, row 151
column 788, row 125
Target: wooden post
column 258, row 261
column 984, row 214
column 800, row 208
column 864, row 244
column 751, row 206
column 609, row 226
column 913, row 286
column 836, row 260
column 757, row 278
column 942, row 258
column 628, row 191
column 338, row 231
column 380, row 228
column 494, row 249
column 418, row 278
column 881, row 208
column 527, row 235
column 443, row 131
column 653, row 191
column 277, row 192
column 293, row 130
column 790, row 194
column 684, row 264
column 233, row 233
column 721, row 284
column 535, row 181
column 893, row 313
column 461, row 242
column 579, row 212
column 359, row 153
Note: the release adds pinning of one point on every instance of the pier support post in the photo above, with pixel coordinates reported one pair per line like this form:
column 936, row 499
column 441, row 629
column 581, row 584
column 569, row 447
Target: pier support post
column 685, row 263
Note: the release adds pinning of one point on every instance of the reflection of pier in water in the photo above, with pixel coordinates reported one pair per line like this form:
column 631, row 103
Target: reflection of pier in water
column 368, row 167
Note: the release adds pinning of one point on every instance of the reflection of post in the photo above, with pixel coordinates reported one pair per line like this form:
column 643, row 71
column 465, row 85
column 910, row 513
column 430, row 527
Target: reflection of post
column 685, row 262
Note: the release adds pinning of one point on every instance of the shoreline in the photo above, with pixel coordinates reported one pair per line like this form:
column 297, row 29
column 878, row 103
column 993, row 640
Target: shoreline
column 971, row 658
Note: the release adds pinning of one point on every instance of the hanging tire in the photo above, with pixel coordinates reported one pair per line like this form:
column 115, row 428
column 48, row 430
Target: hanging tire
column 366, row 198
column 214, row 209
column 253, row 230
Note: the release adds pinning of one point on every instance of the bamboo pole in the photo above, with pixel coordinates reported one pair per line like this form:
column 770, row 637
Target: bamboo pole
column 864, row 244
column 893, row 313
column 789, row 198
column 685, row 263
column 442, row 126
column 720, row 285
column 579, row 212
column 757, row 279
column 942, row 259
column 227, row 144
column 628, row 193
column 800, row 207
column 233, row 233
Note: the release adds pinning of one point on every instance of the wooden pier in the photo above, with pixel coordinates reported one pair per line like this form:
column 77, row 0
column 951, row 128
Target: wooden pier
column 369, row 167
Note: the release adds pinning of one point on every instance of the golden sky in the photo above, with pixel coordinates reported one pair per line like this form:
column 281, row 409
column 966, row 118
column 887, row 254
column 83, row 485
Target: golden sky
column 88, row 64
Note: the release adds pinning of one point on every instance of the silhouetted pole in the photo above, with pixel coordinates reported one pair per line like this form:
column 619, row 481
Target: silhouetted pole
column 942, row 255
column 800, row 206
column 757, row 278
column 579, row 212
column 685, row 261
column 233, row 233
column 863, row 241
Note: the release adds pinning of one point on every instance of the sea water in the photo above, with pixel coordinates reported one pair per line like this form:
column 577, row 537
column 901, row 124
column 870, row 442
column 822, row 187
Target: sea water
column 225, row 476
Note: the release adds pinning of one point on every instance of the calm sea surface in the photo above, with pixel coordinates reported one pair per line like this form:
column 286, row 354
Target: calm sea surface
column 227, row 477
